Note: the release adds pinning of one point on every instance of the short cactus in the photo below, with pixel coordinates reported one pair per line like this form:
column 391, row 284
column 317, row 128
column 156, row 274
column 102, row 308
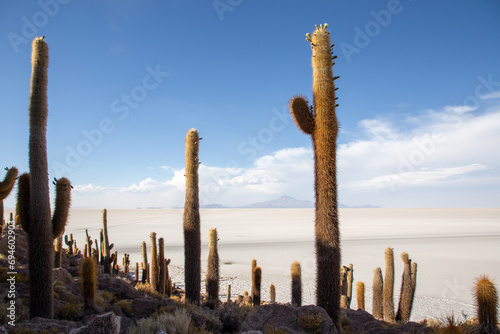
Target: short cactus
column 320, row 122
column 126, row 263
column 350, row 282
column 378, row 299
column 162, row 273
column 70, row 242
column 487, row 304
column 136, row 273
column 213, row 268
column 88, row 273
column 389, row 286
column 6, row 187
column 192, row 234
column 155, row 267
column 228, row 293
column 296, row 285
column 58, row 252
column 272, row 294
column 144, row 263
column 256, row 285
column 360, row 295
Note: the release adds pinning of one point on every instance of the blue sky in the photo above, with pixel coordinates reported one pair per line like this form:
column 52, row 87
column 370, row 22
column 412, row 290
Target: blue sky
column 419, row 99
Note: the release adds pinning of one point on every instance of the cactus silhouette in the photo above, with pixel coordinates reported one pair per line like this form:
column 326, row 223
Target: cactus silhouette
column 254, row 264
column 378, row 288
column 487, row 304
column 192, row 236
column 88, row 274
column 213, row 268
column 360, row 295
column 70, row 242
column 350, row 281
column 6, row 187
column 407, row 292
column 37, row 222
column 296, row 284
column 228, row 292
column 320, row 122
column 126, row 263
column 389, row 286
column 105, row 246
column 256, row 285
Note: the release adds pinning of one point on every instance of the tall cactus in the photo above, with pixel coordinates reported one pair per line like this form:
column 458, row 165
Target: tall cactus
column 144, row 263
column 389, row 286
column 105, row 246
column 320, row 122
column 213, row 268
column 256, row 285
column 192, row 236
column 155, row 268
column 296, row 284
column 6, row 187
column 38, row 224
column 162, row 274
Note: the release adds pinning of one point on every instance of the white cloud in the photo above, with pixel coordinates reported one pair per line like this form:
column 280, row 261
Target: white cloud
column 492, row 95
column 449, row 152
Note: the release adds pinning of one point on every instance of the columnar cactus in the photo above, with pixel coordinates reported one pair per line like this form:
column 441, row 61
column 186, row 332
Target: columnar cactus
column 254, row 264
column 126, row 263
column 296, row 284
column 360, row 295
column 192, row 236
column 88, row 273
column 40, row 227
column 228, row 293
column 144, row 263
column 407, row 292
column 320, row 121
column 58, row 252
column 162, row 273
column 70, row 242
column 272, row 294
column 344, row 301
column 350, row 281
column 487, row 304
column 389, row 286
column 378, row 299
column 213, row 268
column 105, row 246
column 155, row 268
column 136, row 273
column 6, row 187
column 256, row 285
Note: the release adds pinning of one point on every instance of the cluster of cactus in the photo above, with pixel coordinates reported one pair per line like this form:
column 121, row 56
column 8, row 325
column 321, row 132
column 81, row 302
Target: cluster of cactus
column 383, row 289
column 158, row 276
column 126, row 263
column 320, row 121
column 71, row 243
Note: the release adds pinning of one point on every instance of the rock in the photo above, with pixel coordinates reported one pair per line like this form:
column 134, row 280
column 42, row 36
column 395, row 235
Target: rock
column 21, row 251
column 107, row 323
column 144, row 307
column 289, row 319
column 61, row 275
column 121, row 288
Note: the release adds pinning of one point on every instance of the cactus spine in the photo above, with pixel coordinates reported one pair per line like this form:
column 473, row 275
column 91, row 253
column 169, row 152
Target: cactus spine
column 389, row 286
column 360, row 295
column 378, row 288
column 296, row 285
column 487, row 305
column 213, row 268
column 320, row 122
column 6, row 187
column 41, row 228
column 88, row 273
column 256, row 285
column 406, row 295
column 192, row 236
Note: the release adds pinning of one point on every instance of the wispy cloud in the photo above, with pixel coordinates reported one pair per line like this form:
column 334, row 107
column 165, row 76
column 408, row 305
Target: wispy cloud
column 492, row 95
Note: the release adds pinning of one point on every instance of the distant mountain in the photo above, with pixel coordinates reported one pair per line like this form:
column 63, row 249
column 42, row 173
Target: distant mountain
column 213, row 206
column 282, row 202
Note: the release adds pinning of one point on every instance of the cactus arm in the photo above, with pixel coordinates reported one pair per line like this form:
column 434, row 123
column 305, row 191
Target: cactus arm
column 61, row 211
column 23, row 201
column 8, row 183
column 302, row 114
